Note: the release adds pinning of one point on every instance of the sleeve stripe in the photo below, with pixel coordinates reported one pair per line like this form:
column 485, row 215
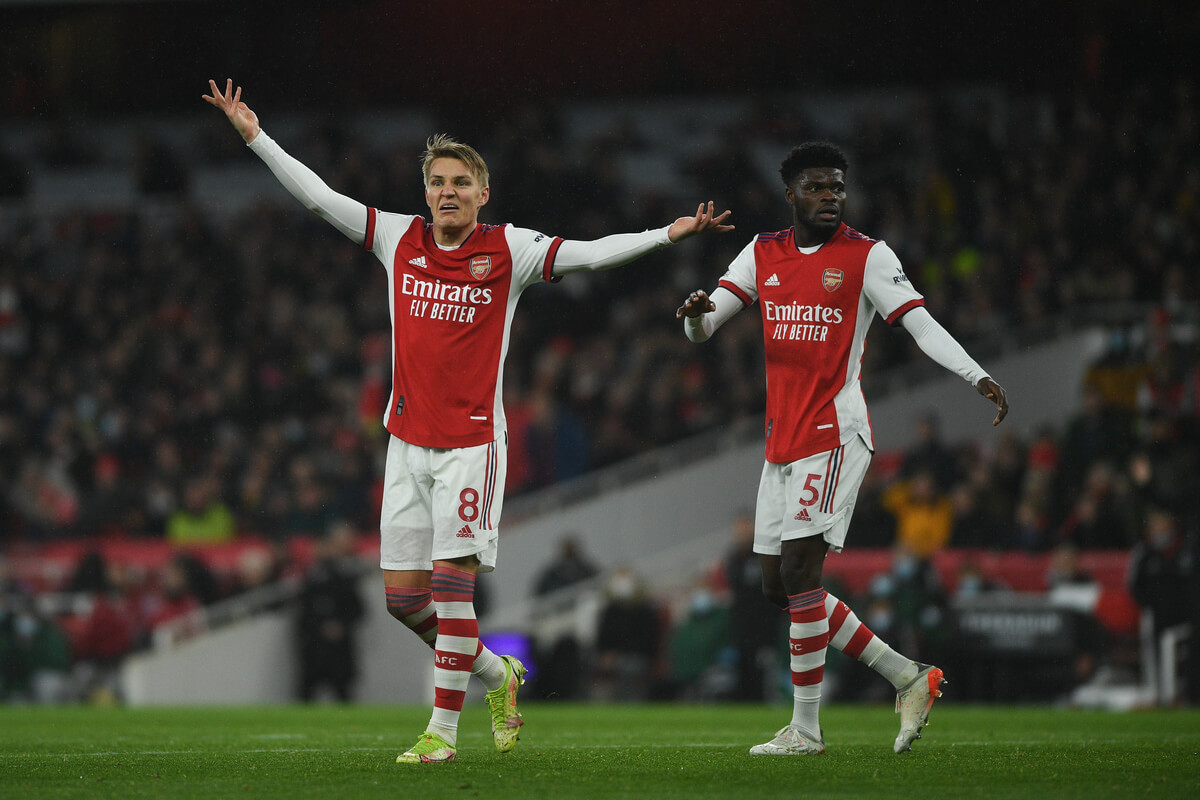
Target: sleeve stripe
column 548, row 264
column 369, row 239
column 737, row 290
column 895, row 316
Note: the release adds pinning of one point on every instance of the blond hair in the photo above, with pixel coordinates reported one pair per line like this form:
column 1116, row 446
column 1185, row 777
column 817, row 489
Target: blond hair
column 444, row 146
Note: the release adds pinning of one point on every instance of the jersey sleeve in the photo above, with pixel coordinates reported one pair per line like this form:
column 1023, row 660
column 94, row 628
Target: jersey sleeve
column 741, row 277
column 614, row 250
column 886, row 285
column 700, row 328
column 344, row 213
column 533, row 255
column 384, row 230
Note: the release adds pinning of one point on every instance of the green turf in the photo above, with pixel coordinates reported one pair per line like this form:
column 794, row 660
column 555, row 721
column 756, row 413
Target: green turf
column 667, row 751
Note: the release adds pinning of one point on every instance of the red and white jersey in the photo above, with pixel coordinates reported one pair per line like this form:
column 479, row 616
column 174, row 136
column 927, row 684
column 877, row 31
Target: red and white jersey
column 451, row 315
column 816, row 309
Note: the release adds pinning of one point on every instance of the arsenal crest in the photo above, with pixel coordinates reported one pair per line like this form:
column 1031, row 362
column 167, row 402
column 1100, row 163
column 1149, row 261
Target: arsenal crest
column 480, row 267
column 832, row 278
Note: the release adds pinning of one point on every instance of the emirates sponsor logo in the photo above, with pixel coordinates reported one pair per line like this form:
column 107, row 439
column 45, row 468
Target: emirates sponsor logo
column 480, row 266
column 832, row 278
column 798, row 312
column 444, row 292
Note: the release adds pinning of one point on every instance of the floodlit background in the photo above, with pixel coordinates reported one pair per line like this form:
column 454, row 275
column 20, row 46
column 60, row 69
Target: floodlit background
column 192, row 369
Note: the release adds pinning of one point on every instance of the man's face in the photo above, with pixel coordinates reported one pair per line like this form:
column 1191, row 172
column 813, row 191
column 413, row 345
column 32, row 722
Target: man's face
column 818, row 197
column 453, row 194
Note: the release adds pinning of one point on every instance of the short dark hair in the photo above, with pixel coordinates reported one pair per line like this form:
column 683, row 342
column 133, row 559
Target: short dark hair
column 811, row 154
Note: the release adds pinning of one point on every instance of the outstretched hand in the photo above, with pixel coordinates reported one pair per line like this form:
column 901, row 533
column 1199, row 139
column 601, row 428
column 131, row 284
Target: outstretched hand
column 696, row 304
column 994, row 392
column 704, row 221
column 239, row 114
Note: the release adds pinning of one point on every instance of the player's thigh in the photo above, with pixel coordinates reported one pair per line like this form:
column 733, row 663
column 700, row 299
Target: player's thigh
column 468, row 498
column 406, row 518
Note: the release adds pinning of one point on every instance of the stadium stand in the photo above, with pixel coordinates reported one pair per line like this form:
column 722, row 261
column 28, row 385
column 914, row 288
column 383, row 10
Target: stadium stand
column 167, row 316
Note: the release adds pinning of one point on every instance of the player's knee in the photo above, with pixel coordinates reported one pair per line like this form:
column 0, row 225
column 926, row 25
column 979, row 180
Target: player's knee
column 775, row 594
column 802, row 566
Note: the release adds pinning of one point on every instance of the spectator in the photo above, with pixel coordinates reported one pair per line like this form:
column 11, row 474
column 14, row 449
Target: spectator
column 698, row 650
column 756, row 627
column 1099, row 432
column 569, row 567
column 175, row 598
column 35, row 656
column 924, row 515
column 929, row 455
column 1164, row 573
column 329, row 615
column 204, row 518
column 628, row 640
column 1102, row 515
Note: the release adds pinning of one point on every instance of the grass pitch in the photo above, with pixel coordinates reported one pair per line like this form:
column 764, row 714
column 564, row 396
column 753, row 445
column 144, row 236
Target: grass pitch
column 568, row 751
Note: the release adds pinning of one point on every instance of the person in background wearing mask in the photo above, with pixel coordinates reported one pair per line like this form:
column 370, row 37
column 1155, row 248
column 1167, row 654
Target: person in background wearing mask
column 35, row 656
column 699, row 652
column 628, row 640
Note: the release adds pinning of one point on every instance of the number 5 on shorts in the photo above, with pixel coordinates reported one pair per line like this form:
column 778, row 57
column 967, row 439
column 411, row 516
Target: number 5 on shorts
column 810, row 494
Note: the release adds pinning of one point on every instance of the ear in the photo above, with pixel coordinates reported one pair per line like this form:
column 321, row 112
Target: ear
column 484, row 194
column 791, row 197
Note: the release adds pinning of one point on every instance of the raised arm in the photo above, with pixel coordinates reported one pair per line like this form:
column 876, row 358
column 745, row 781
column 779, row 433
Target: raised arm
column 621, row 248
column 346, row 214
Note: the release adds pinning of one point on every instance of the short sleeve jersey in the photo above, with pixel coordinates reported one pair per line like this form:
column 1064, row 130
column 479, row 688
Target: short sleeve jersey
column 816, row 309
column 451, row 314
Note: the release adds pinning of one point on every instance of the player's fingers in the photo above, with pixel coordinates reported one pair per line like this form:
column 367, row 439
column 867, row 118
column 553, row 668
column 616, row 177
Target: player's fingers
column 237, row 98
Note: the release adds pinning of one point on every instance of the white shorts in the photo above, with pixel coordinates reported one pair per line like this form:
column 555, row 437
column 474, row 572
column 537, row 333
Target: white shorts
column 811, row 496
column 441, row 504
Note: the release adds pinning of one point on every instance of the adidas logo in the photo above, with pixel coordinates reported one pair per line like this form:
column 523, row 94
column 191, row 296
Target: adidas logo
column 772, row 281
column 465, row 532
column 803, row 515
column 419, row 261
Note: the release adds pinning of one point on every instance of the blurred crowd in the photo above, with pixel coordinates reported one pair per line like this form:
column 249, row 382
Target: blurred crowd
column 1040, row 628
column 64, row 640
column 185, row 374
column 192, row 375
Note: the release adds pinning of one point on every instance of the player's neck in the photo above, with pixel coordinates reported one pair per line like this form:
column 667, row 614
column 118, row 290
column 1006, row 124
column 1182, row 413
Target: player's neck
column 452, row 236
column 806, row 237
